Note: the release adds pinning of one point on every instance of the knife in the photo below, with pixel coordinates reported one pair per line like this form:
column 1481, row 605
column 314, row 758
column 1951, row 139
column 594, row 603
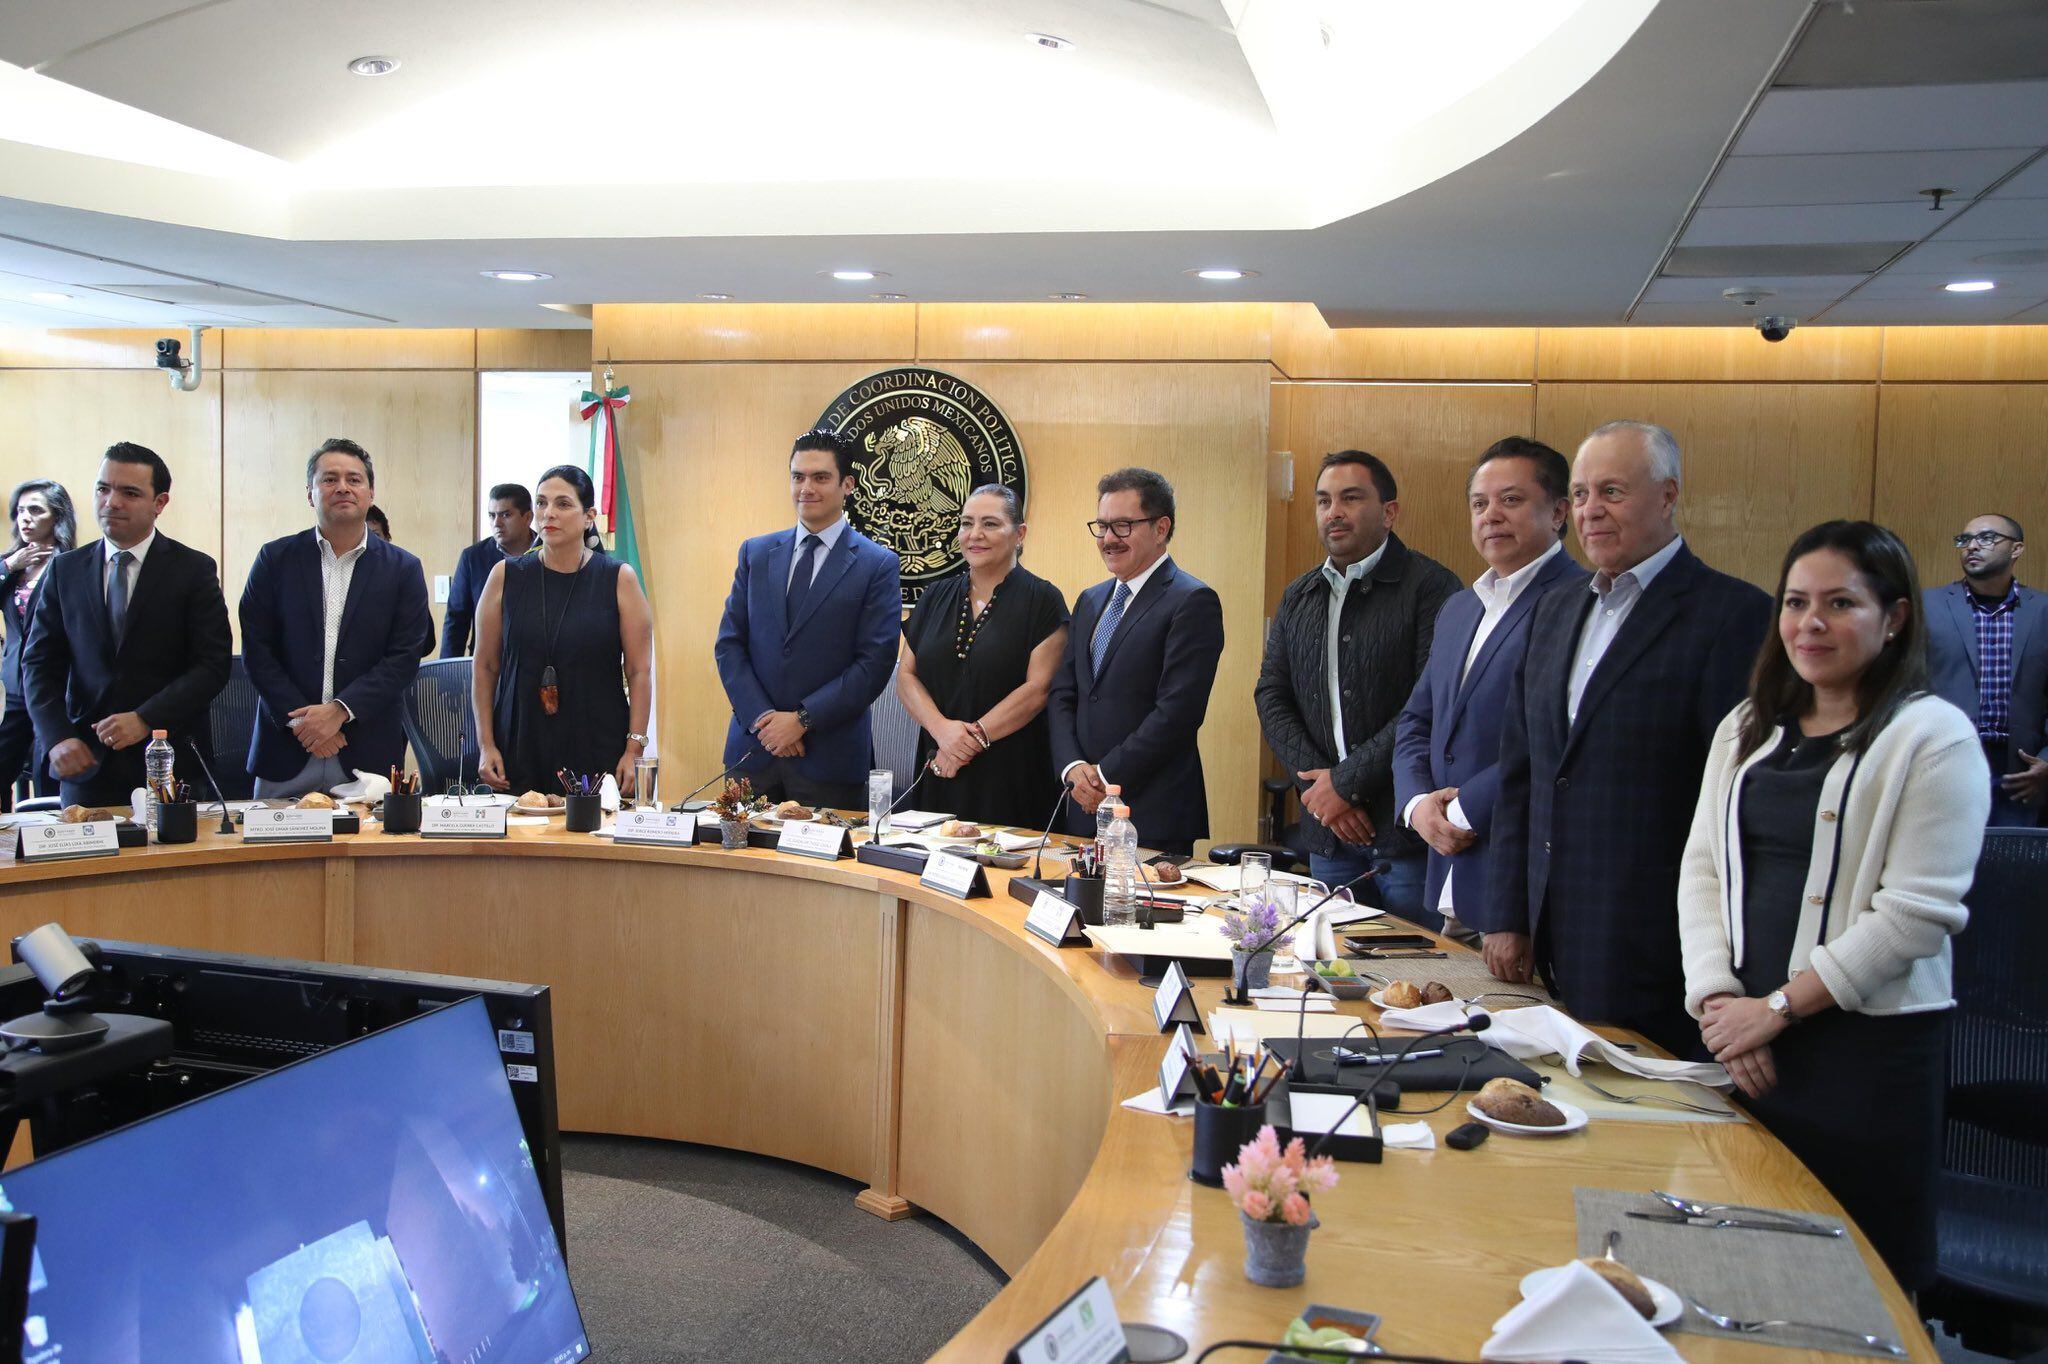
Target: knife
column 1715, row 1223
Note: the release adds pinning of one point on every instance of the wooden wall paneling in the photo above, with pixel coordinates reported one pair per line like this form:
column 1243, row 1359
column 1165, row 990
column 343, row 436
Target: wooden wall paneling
column 1428, row 434
column 272, row 909
column 1301, row 341
column 1094, row 331
column 1965, row 354
column 420, row 430
column 1763, row 462
column 342, row 348
column 1950, row 452
column 753, row 331
column 108, row 348
column 1708, row 354
column 533, row 348
column 1304, row 347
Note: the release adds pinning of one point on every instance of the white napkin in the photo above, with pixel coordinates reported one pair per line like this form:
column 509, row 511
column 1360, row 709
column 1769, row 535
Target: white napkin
column 1408, row 1136
column 608, row 794
column 1577, row 1315
column 368, row 787
column 1147, row 1101
column 1292, row 1002
column 1430, row 1017
column 1541, row 1030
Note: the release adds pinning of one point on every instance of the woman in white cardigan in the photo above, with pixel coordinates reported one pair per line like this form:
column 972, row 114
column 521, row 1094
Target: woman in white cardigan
column 1836, row 834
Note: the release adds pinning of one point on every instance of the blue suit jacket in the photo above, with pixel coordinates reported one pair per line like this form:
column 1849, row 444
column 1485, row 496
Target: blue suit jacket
column 472, row 571
column 833, row 660
column 376, row 655
column 1449, row 732
column 1592, row 815
column 1952, row 661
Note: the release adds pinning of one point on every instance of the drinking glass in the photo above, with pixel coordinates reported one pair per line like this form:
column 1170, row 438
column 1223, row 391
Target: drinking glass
column 1256, row 869
column 646, row 776
column 881, row 795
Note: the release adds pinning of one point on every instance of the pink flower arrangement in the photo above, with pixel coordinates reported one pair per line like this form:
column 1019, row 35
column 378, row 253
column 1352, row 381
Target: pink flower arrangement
column 1269, row 1184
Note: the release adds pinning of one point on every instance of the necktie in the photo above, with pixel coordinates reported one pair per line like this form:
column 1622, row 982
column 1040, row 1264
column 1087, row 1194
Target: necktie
column 1105, row 629
column 117, row 593
column 800, row 580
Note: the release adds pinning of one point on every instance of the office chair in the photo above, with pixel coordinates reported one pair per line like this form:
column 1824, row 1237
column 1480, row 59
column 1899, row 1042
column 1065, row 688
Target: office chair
column 895, row 736
column 231, row 718
column 436, row 718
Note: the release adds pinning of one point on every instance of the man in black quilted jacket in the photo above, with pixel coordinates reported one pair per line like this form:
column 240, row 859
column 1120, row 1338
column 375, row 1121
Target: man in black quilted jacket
column 1348, row 641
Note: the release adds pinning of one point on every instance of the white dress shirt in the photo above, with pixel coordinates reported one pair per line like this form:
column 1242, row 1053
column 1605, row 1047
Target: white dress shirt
column 1340, row 588
column 134, row 571
column 1136, row 585
column 828, row 541
column 337, row 571
column 1614, row 597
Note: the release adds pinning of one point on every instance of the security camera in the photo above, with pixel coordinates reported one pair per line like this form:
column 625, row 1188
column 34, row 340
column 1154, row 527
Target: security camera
column 1776, row 327
column 1748, row 295
column 168, row 354
column 170, row 357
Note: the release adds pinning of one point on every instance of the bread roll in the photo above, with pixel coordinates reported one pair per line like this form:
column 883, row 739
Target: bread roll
column 316, row 800
column 1436, row 992
column 1167, row 874
column 532, row 799
column 790, row 809
column 1402, row 994
column 1625, row 1282
column 1512, row 1101
column 80, row 814
column 959, row 828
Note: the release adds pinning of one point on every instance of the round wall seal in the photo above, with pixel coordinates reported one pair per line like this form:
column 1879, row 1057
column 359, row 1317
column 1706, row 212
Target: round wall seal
column 926, row 439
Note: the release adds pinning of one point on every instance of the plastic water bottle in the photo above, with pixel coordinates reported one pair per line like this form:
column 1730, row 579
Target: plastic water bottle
column 1102, row 817
column 1120, row 868
column 156, row 766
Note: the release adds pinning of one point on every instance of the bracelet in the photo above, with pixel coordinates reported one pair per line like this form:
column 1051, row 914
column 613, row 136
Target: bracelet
column 974, row 727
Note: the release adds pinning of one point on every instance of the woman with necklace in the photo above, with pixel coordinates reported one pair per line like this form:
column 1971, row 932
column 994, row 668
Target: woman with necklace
column 564, row 653
column 1837, row 831
column 977, row 660
column 44, row 526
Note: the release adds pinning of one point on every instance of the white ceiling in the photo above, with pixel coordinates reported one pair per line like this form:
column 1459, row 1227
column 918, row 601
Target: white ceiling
column 1393, row 175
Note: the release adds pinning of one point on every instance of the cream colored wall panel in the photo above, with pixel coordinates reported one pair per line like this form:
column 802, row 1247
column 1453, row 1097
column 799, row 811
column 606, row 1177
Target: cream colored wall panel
column 1950, row 452
column 351, row 348
column 1713, row 354
column 1965, row 354
column 1094, row 331
column 532, row 348
column 753, row 331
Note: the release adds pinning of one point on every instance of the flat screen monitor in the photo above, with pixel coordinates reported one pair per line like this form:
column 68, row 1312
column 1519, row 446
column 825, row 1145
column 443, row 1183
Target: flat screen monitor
column 374, row 1204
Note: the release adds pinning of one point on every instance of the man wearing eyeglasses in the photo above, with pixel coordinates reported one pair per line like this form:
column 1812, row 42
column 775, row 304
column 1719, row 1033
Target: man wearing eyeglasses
column 1987, row 652
column 1133, row 689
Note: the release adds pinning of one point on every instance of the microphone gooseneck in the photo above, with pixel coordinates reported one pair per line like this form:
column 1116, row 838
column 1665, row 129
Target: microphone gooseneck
column 1237, row 991
column 1038, row 854
column 1467, row 1024
column 227, row 824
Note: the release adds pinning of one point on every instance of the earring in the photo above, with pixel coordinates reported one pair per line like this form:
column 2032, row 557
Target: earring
column 1890, row 637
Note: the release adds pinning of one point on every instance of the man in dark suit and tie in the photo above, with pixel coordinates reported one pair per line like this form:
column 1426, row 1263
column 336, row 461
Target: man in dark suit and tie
column 130, row 635
column 1447, row 742
column 511, row 536
column 1604, row 742
column 809, row 640
column 331, row 623
column 1987, row 654
column 1131, row 693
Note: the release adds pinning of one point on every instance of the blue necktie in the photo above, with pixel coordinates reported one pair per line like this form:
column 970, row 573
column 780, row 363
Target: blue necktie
column 800, row 580
column 117, row 594
column 1105, row 629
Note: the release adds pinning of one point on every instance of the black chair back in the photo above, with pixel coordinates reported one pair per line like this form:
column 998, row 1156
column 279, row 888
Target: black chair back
column 232, row 719
column 436, row 719
column 895, row 735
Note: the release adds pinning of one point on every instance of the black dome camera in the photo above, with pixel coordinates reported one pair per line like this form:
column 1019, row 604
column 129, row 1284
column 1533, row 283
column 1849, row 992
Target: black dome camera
column 1774, row 327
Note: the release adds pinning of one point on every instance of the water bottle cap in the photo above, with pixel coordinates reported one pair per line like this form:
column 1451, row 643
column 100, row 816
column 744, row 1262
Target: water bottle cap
column 159, row 734
column 1120, row 811
column 1114, row 789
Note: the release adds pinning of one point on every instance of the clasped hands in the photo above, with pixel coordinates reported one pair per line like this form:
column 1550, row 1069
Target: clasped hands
column 318, row 728
column 781, row 733
column 1349, row 822
column 1739, row 1031
column 957, row 747
column 70, row 757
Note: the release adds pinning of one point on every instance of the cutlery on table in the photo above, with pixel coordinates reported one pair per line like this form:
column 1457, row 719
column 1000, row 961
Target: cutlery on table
column 1692, row 1207
column 1726, row 1323
column 1674, row 1101
column 1714, row 1223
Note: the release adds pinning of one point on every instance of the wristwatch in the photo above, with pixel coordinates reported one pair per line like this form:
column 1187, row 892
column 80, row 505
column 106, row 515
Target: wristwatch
column 1781, row 1006
column 640, row 739
column 803, row 717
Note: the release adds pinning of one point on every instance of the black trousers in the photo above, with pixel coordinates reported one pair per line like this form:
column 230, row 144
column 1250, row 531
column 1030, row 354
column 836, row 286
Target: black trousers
column 779, row 783
column 18, row 750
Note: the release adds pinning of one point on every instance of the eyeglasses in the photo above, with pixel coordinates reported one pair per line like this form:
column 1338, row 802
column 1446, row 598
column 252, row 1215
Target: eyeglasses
column 1121, row 529
column 1988, row 539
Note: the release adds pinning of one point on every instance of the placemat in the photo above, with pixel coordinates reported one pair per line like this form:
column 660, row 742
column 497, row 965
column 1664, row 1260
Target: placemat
column 1560, row 1083
column 1464, row 973
column 1752, row 1275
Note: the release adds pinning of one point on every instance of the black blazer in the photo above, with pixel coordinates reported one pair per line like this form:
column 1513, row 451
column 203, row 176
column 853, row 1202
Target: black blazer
column 1597, row 812
column 17, row 635
column 1139, row 718
column 172, row 662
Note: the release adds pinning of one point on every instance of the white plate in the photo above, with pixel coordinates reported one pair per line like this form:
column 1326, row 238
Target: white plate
column 519, row 809
column 1669, row 1307
column 1574, row 1118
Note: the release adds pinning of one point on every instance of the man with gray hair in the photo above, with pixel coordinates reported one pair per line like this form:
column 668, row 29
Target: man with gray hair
column 1604, row 742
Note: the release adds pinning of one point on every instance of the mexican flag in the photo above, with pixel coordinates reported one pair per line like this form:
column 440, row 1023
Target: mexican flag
column 606, row 465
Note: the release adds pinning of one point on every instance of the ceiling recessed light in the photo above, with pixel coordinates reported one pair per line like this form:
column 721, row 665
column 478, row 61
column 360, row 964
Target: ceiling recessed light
column 49, row 296
column 1220, row 273
column 857, row 276
column 889, row 298
column 1970, row 286
column 374, row 66
column 515, row 276
column 716, row 298
column 1066, row 298
column 1050, row 42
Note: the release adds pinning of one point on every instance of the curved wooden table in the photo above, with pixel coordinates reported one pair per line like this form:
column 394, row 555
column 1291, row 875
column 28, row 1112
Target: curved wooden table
column 847, row 1017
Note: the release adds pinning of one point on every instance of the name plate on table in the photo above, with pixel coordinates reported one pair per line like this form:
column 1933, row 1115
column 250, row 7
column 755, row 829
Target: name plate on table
column 60, row 842
column 1174, row 1001
column 809, row 838
column 955, row 875
column 449, row 820
column 1176, row 1082
column 1057, row 920
column 288, row 826
column 663, row 827
column 1084, row 1330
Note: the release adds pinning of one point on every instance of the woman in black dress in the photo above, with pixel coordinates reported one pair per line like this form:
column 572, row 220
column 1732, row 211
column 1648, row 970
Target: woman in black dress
column 44, row 526
column 564, row 653
column 1837, row 832
column 978, row 657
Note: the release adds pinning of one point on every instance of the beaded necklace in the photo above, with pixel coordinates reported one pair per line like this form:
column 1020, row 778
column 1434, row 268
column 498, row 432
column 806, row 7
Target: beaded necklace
column 970, row 625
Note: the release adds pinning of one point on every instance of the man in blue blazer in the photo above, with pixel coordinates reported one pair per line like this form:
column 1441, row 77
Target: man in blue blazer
column 1987, row 653
column 1447, row 741
column 332, row 620
column 511, row 536
column 1604, row 742
column 128, row 635
column 1128, row 701
column 809, row 640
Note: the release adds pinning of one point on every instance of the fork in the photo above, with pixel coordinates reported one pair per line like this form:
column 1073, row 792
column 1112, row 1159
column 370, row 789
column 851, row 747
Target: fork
column 1725, row 1323
column 1612, row 1097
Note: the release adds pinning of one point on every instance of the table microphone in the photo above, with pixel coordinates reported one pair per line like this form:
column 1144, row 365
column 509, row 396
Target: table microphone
column 1237, row 995
column 1471, row 1023
column 227, row 824
column 1027, row 888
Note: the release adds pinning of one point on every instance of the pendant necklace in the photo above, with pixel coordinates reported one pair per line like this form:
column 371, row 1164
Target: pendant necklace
column 970, row 624
column 550, row 693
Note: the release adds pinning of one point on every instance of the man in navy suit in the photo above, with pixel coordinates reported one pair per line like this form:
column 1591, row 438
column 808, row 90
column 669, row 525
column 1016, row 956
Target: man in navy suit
column 809, row 640
column 129, row 635
column 1447, row 742
column 1128, row 701
column 511, row 536
column 1604, row 742
column 1987, row 653
column 332, row 620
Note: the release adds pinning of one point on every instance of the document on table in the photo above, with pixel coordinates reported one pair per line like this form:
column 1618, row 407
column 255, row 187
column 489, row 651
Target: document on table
column 1249, row 1027
column 1231, row 879
column 1148, row 1102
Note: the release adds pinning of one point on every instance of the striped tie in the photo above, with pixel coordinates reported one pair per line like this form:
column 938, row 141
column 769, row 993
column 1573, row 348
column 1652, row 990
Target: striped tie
column 1105, row 629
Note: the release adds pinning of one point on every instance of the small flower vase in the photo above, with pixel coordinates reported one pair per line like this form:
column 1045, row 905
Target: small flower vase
column 1254, row 972
column 732, row 833
column 1276, row 1253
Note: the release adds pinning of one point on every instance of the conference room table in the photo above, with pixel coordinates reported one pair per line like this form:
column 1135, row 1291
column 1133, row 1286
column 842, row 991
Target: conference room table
column 930, row 1048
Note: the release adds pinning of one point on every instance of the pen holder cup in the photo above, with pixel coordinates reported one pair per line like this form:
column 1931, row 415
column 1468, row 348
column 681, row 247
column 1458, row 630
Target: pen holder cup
column 177, row 822
column 1085, row 894
column 401, row 813
column 1220, row 1133
column 586, row 814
